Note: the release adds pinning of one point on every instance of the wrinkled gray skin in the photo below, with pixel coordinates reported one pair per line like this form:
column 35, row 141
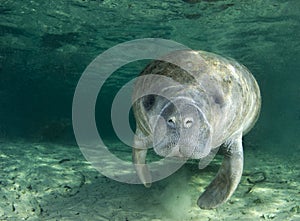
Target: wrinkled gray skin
column 213, row 104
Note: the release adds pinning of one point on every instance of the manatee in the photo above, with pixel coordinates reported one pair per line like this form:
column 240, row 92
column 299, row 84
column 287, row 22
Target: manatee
column 208, row 102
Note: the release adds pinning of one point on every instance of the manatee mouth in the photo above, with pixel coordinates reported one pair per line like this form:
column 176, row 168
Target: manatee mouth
column 165, row 146
column 173, row 150
column 181, row 131
column 175, row 147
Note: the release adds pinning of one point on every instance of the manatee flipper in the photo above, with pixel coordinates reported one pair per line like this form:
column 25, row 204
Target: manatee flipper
column 139, row 160
column 227, row 178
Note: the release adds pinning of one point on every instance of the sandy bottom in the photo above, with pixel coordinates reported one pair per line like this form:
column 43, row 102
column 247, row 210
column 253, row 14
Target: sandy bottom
column 44, row 181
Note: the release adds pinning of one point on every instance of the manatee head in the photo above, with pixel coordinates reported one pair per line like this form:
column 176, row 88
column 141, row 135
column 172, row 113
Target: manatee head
column 178, row 126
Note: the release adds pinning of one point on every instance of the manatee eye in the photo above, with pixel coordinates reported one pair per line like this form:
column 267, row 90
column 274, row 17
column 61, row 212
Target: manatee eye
column 148, row 101
column 219, row 100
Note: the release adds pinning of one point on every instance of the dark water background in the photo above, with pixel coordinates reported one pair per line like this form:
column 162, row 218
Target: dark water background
column 46, row 45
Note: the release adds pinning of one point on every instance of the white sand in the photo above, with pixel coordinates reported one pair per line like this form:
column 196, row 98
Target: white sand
column 54, row 182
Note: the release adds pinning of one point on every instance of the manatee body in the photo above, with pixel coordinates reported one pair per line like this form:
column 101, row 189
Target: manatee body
column 194, row 103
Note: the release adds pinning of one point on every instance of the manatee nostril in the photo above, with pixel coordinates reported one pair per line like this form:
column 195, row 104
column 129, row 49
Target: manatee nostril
column 171, row 122
column 188, row 122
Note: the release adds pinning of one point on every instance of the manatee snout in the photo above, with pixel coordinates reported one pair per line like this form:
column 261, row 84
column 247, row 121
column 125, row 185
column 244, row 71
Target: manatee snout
column 181, row 131
column 181, row 116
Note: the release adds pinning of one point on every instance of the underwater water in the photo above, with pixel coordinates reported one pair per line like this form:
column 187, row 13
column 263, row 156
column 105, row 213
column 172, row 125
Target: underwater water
column 47, row 45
